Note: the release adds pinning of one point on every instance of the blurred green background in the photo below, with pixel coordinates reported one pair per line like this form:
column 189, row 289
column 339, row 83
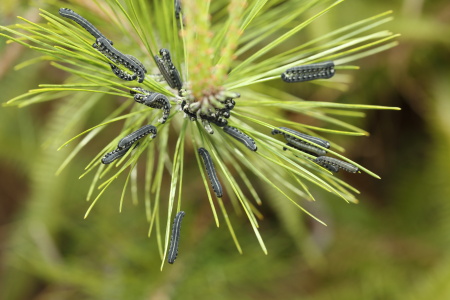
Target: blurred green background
column 393, row 245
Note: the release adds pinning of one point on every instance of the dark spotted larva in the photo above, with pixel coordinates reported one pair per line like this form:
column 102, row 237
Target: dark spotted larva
column 133, row 137
column 209, row 165
column 154, row 100
column 113, row 155
column 118, row 57
column 164, row 71
column 168, row 69
column 70, row 14
column 323, row 70
column 175, row 238
column 326, row 160
column 241, row 137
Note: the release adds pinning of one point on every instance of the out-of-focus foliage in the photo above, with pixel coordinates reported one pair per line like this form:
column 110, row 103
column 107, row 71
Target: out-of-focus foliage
column 393, row 245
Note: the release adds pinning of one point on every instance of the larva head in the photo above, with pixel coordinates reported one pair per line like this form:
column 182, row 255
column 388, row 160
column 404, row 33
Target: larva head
column 165, row 54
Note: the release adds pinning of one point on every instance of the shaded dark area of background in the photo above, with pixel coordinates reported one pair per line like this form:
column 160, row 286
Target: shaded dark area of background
column 393, row 245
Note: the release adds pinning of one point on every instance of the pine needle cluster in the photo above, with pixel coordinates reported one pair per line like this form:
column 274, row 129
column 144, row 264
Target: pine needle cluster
column 221, row 49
